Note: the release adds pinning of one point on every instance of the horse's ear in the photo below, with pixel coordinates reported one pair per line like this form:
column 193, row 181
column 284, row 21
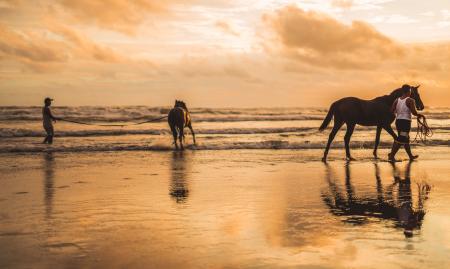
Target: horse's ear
column 417, row 86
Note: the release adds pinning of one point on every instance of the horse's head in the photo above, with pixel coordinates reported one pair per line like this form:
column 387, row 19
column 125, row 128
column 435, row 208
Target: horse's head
column 416, row 96
column 179, row 103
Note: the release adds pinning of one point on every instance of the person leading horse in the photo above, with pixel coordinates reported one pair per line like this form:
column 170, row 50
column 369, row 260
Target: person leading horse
column 375, row 112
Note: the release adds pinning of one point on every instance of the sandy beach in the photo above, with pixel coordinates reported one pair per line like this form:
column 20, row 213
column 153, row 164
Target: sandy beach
column 220, row 134
column 223, row 209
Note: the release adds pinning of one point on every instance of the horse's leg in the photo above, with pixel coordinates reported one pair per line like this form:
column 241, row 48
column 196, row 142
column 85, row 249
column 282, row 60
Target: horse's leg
column 377, row 141
column 348, row 135
column 337, row 125
column 192, row 132
column 388, row 129
column 175, row 135
column 181, row 136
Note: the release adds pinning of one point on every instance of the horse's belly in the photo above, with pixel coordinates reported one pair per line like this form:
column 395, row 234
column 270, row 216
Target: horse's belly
column 375, row 121
column 368, row 123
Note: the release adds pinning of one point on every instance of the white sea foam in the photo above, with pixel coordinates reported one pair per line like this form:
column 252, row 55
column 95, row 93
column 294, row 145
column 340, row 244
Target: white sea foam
column 13, row 132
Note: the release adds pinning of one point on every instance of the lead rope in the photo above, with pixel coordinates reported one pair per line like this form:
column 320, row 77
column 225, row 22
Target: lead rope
column 114, row 125
column 423, row 130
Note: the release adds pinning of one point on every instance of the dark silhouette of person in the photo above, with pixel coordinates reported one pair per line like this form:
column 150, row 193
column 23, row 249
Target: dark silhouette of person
column 178, row 186
column 47, row 121
column 386, row 205
column 403, row 107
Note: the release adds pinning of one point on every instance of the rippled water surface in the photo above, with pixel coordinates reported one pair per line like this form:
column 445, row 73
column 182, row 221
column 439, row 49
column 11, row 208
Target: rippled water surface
column 217, row 129
column 223, row 209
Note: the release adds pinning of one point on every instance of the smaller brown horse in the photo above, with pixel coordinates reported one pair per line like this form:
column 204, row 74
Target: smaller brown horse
column 178, row 119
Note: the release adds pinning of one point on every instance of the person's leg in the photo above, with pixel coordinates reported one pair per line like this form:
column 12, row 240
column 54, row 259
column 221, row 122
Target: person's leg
column 408, row 150
column 50, row 135
column 406, row 128
column 394, row 150
column 48, row 132
column 396, row 145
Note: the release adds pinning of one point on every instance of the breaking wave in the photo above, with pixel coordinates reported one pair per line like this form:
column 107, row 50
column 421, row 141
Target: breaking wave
column 9, row 132
column 12, row 132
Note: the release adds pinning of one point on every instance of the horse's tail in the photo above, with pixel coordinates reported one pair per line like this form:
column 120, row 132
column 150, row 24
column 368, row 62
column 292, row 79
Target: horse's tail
column 328, row 118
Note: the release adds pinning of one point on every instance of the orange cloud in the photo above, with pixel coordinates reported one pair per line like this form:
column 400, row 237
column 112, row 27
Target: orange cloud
column 84, row 47
column 342, row 3
column 30, row 48
column 44, row 50
column 119, row 15
column 225, row 27
column 320, row 40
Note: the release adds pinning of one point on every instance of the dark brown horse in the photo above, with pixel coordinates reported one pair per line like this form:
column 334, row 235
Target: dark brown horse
column 178, row 119
column 375, row 112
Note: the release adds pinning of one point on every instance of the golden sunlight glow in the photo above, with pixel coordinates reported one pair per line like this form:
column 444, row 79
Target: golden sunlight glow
column 221, row 53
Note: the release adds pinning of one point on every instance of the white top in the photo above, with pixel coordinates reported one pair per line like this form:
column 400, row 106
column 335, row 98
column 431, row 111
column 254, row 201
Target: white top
column 402, row 110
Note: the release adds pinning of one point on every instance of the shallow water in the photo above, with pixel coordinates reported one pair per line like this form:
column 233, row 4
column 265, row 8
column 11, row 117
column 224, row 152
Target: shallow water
column 223, row 209
column 217, row 129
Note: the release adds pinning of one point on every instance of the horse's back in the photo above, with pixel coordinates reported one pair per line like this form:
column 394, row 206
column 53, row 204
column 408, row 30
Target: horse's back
column 178, row 116
column 363, row 112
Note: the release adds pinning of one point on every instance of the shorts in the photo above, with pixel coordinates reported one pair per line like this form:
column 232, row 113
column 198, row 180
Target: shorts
column 48, row 128
column 403, row 129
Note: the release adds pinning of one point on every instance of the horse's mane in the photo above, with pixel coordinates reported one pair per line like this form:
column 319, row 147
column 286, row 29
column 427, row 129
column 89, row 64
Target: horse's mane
column 390, row 98
column 396, row 93
column 181, row 104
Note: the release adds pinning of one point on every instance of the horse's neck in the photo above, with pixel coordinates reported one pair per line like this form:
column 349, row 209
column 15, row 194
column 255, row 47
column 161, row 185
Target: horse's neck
column 389, row 99
column 184, row 108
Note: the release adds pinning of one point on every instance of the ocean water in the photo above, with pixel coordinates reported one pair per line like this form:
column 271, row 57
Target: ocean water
column 217, row 129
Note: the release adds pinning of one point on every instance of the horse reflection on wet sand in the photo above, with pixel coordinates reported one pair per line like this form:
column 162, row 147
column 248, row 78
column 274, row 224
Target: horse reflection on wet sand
column 393, row 202
column 179, row 190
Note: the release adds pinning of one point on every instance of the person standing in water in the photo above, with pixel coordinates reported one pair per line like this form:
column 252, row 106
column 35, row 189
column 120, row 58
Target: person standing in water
column 47, row 121
column 403, row 107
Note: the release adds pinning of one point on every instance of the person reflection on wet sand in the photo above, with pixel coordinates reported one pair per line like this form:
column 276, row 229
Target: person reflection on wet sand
column 178, row 185
column 48, row 183
column 390, row 203
column 408, row 217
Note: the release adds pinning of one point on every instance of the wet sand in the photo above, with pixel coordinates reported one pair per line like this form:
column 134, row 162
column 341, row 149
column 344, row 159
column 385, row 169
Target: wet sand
column 224, row 209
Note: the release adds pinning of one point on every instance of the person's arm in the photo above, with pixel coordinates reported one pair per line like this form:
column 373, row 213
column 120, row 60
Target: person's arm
column 394, row 106
column 412, row 106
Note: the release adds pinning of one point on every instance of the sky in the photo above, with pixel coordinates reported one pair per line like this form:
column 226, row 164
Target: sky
column 221, row 53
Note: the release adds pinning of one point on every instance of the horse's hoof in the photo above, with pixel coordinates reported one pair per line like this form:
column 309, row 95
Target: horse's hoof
column 324, row 159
